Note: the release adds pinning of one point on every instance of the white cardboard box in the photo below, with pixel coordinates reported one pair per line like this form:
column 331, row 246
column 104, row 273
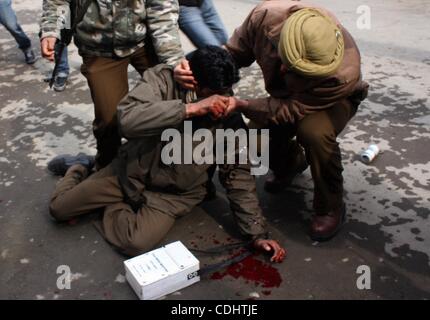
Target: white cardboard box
column 162, row 271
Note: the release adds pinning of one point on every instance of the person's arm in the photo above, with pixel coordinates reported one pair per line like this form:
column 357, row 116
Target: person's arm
column 270, row 110
column 241, row 43
column 51, row 12
column 49, row 25
column 242, row 195
column 145, row 111
column 263, row 110
column 162, row 22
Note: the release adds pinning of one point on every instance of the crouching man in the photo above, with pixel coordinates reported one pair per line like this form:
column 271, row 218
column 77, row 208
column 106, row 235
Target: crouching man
column 141, row 195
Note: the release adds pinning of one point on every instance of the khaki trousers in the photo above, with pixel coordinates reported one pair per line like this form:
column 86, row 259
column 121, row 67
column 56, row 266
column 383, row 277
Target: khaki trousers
column 317, row 134
column 108, row 82
column 132, row 233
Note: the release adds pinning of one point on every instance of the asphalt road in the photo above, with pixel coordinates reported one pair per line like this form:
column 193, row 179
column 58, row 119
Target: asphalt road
column 388, row 226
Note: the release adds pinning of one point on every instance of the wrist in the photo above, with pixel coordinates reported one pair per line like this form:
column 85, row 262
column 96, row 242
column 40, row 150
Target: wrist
column 243, row 104
column 260, row 237
column 190, row 110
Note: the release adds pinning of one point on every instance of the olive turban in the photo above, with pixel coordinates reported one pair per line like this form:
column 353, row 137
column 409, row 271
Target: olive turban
column 311, row 44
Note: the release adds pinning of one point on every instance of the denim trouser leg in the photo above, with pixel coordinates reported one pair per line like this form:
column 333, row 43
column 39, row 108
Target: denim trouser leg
column 63, row 67
column 202, row 25
column 213, row 20
column 9, row 20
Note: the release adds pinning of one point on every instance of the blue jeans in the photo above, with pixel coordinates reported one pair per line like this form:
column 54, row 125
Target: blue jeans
column 202, row 25
column 9, row 21
column 63, row 67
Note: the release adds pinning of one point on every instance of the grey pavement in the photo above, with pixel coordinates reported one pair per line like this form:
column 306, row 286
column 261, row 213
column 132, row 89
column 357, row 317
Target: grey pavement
column 388, row 226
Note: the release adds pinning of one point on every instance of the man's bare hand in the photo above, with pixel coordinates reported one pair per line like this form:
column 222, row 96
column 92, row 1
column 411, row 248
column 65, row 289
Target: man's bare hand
column 47, row 47
column 236, row 104
column 216, row 105
column 271, row 246
column 184, row 76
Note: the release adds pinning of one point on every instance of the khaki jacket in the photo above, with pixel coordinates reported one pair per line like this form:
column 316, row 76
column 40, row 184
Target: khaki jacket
column 156, row 104
column 291, row 96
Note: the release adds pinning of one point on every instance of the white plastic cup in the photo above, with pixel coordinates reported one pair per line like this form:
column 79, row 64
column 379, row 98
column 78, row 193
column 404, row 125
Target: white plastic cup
column 369, row 154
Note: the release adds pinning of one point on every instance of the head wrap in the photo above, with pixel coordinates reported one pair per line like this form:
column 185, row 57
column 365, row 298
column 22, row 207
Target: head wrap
column 311, row 44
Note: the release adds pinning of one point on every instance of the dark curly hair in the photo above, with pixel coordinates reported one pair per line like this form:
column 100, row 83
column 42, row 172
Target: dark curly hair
column 214, row 68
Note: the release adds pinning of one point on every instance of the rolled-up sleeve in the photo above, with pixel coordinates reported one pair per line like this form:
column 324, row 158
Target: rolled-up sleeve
column 162, row 22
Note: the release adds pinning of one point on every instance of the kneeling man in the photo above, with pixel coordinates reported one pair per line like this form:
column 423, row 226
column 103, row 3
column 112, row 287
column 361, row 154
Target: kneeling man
column 312, row 71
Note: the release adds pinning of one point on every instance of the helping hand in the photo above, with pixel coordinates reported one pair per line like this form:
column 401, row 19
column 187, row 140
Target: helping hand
column 236, row 104
column 184, row 76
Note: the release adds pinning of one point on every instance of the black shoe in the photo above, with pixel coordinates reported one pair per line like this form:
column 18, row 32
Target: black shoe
column 60, row 164
column 60, row 84
column 30, row 58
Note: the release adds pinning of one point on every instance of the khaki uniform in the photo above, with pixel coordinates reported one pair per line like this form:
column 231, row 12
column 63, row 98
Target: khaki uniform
column 315, row 110
column 169, row 191
column 111, row 36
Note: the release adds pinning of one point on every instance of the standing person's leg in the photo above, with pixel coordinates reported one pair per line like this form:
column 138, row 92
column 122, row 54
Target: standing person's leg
column 192, row 23
column 144, row 58
column 213, row 20
column 317, row 133
column 135, row 233
column 63, row 67
column 10, row 22
column 63, row 72
column 108, row 82
column 75, row 194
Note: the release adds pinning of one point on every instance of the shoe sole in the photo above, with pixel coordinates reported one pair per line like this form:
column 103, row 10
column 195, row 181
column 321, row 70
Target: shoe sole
column 59, row 89
column 31, row 61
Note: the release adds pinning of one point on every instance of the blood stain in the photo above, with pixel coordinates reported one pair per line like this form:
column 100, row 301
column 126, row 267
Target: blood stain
column 252, row 270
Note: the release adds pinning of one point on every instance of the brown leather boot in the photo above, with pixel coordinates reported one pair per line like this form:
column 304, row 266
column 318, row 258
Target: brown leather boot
column 276, row 183
column 324, row 227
